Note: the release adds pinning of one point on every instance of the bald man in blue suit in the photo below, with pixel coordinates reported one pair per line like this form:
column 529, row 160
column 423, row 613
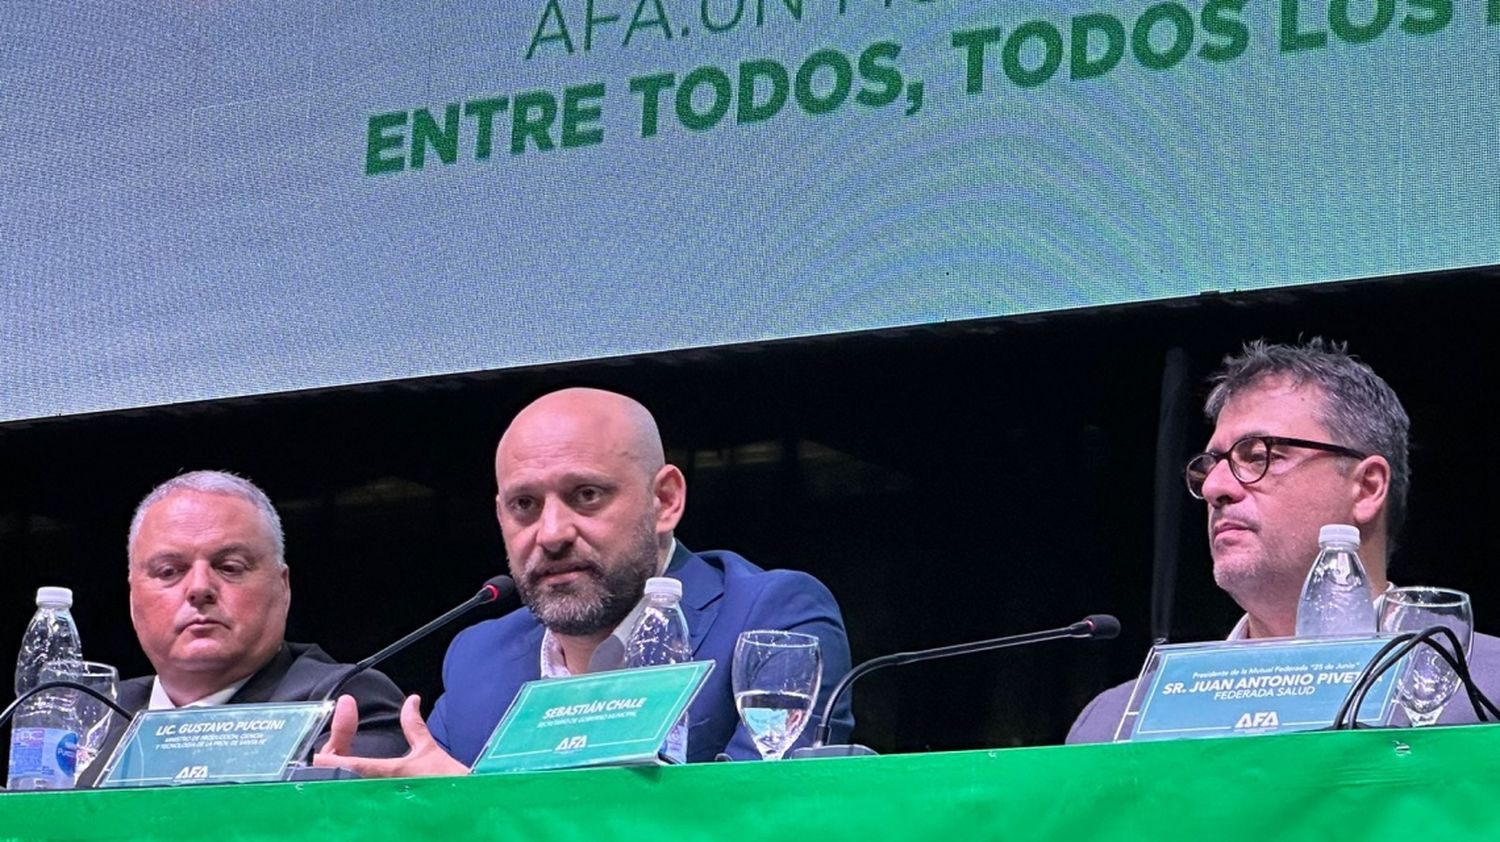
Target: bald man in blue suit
column 587, row 506
column 722, row 595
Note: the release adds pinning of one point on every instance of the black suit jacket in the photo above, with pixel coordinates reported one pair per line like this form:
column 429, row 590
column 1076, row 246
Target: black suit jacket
column 298, row 672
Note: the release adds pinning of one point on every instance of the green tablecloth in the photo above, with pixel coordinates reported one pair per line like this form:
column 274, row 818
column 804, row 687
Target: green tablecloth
column 1407, row 784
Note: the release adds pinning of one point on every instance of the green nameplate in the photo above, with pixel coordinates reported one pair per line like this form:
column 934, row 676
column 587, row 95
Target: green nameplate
column 219, row 744
column 609, row 718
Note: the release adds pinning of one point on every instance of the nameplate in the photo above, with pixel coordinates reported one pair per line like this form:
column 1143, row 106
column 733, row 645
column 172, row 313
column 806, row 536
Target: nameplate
column 1239, row 688
column 605, row 719
column 218, row 744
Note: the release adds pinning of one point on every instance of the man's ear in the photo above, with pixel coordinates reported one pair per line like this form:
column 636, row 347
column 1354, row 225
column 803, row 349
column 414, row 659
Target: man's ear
column 1370, row 483
column 669, row 491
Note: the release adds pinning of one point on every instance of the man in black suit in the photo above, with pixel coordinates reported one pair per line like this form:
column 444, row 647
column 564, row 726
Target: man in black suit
column 209, row 594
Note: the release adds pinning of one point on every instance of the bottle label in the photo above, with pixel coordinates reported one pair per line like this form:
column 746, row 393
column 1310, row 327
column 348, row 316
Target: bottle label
column 43, row 758
column 674, row 747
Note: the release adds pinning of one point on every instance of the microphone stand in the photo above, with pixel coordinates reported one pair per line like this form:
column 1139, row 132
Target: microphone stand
column 496, row 589
column 1099, row 626
column 500, row 587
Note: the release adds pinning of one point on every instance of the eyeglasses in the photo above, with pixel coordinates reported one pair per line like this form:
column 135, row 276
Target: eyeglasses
column 1250, row 459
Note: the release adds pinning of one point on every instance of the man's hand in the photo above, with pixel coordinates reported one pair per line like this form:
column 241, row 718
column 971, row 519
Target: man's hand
column 425, row 758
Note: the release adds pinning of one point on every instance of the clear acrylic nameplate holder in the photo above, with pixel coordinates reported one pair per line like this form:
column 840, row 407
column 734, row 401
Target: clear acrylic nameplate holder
column 1243, row 688
column 615, row 718
column 218, row 744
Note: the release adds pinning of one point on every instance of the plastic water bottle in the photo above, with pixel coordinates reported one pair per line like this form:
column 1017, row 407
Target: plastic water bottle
column 44, row 740
column 660, row 637
column 1336, row 600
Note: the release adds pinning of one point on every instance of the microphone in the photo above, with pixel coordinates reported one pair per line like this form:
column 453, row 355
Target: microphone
column 1092, row 627
column 496, row 589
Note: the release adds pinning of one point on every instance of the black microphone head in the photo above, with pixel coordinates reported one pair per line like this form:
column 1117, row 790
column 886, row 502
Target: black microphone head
column 1099, row 626
column 496, row 588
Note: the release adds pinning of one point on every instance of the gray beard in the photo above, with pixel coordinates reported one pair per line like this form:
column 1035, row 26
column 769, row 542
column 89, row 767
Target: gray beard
column 598, row 601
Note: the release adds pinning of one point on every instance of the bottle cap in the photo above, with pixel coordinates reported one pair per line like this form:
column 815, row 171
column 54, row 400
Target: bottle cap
column 663, row 585
column 54, row 597
column 1339, row 533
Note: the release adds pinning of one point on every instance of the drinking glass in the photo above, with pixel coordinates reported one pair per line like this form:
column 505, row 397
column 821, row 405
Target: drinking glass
column 776, row 676
column 89, row 714
column 1425, row 682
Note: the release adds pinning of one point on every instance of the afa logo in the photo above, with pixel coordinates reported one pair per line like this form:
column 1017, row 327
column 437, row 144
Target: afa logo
column 191, row 773
column 1259, row 719
column 572, row 743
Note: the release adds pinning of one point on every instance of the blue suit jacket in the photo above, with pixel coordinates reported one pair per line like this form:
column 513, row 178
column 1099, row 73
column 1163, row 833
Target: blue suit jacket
column 722, row 595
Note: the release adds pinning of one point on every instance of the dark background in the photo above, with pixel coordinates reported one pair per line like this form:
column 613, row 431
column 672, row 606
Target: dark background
column 949, row 482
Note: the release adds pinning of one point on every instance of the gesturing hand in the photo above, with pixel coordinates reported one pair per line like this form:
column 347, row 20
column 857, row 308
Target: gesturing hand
column 425, row 758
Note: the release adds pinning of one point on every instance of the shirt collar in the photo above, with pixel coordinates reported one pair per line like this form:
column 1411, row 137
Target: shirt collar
column 1241, row 629
column 611, row 652
column 161, row 701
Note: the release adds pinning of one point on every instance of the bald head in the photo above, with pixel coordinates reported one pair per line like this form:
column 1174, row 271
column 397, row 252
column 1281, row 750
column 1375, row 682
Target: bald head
column 593, row 418
column 586, row 505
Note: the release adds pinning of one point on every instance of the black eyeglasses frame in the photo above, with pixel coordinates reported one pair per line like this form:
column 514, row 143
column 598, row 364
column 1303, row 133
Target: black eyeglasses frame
column 1215, row 457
